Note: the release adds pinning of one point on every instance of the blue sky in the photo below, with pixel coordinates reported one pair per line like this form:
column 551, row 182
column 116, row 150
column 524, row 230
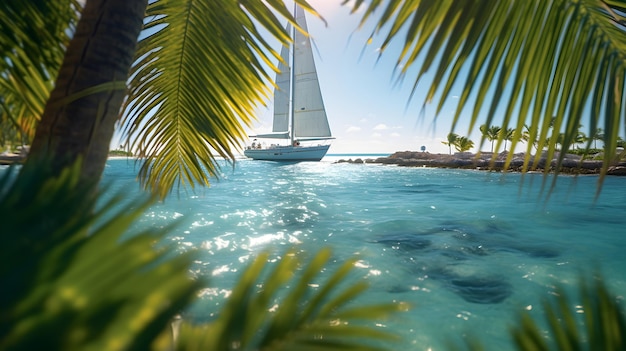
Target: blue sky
column 368, row 108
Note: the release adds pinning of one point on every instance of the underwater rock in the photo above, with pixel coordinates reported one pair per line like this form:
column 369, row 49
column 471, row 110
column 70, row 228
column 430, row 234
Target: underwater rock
column 483, row 290
column 441, row 253
column 465, row 252
column 406, row 242
column 538, row 252
column 396, row 289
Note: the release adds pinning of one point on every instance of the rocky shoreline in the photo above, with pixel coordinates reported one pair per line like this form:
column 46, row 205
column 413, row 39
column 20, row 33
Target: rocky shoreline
column 572, row 164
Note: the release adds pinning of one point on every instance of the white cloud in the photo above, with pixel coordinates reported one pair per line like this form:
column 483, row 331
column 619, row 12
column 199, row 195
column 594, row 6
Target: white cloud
column 395, row 135
column 381, row 126
column 353, row 129
column 376, row 135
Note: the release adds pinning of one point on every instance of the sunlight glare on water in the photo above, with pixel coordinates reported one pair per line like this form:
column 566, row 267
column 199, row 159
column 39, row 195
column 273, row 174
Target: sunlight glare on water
column 467, row 249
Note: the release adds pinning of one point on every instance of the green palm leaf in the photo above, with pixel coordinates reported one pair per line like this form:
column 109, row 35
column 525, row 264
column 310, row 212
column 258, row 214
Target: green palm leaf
column 33, row 39
column 537, row 59
column 73, row 277
column 201, row 71
column 598, row 322
column 261, row 315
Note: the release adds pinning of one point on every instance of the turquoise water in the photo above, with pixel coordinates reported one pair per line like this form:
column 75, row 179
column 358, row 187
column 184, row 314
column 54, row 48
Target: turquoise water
column 468, row 249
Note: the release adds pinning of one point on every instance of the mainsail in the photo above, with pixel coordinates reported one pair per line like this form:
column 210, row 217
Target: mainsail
column 282, row 91
column 309, row 115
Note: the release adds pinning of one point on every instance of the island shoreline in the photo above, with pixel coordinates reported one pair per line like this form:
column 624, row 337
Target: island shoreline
column 487, row 161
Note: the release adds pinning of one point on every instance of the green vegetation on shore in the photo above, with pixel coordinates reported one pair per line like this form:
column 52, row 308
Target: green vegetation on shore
column 120, row 153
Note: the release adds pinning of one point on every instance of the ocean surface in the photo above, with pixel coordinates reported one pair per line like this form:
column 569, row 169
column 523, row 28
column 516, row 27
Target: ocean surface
column 469, row 250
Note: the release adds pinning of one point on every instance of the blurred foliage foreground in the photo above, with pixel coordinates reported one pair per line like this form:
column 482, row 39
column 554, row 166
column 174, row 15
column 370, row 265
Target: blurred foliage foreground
column 73, row 279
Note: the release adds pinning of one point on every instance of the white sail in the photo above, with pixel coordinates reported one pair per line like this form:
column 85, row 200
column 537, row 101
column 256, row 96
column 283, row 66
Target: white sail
column 305, row 118
column 282, row 91
column 309, row 115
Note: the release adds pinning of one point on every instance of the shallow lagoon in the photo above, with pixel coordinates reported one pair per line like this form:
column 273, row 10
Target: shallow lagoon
column 468, row 249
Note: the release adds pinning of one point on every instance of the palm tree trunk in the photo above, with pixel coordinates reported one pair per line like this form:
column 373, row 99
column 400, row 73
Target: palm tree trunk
column 78, row 121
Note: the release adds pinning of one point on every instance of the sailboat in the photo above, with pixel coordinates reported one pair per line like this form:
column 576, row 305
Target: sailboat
column 299, row 113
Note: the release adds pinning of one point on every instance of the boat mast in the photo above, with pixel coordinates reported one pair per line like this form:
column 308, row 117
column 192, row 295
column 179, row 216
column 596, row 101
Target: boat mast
column 293, row 77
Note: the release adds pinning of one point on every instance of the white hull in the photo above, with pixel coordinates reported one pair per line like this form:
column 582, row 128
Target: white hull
column 288, row 153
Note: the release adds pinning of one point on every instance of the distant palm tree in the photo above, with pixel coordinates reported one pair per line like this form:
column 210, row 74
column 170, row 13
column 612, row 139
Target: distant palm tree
column 598, row 134
column 506, row 135
column 580, row 138
column 462, row 144
column 452, row 137
column 529, row 138
column 490, row 133
column 559, row 140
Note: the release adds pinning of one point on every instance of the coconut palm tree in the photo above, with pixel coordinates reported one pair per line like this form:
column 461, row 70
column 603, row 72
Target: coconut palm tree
column 451, row 141
column 560, row 138
column 506, row 135
column 489, row 133
column 462, row 144
column 90, row 87
column 597, row 134
column 580, row 138
column 529, row 138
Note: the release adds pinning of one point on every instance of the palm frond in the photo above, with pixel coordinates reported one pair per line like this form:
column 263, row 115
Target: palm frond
column 536, row 59
column 201, row 70
column 73, row 277
column 261, row 314
column 34, row 36
column 597, row 322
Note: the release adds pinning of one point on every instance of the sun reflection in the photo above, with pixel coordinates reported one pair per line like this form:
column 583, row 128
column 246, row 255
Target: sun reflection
column 264, row 239
column 214, row 292
column 219, row 270
column 221, row 243
column 464, row 315
column 361, row 264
